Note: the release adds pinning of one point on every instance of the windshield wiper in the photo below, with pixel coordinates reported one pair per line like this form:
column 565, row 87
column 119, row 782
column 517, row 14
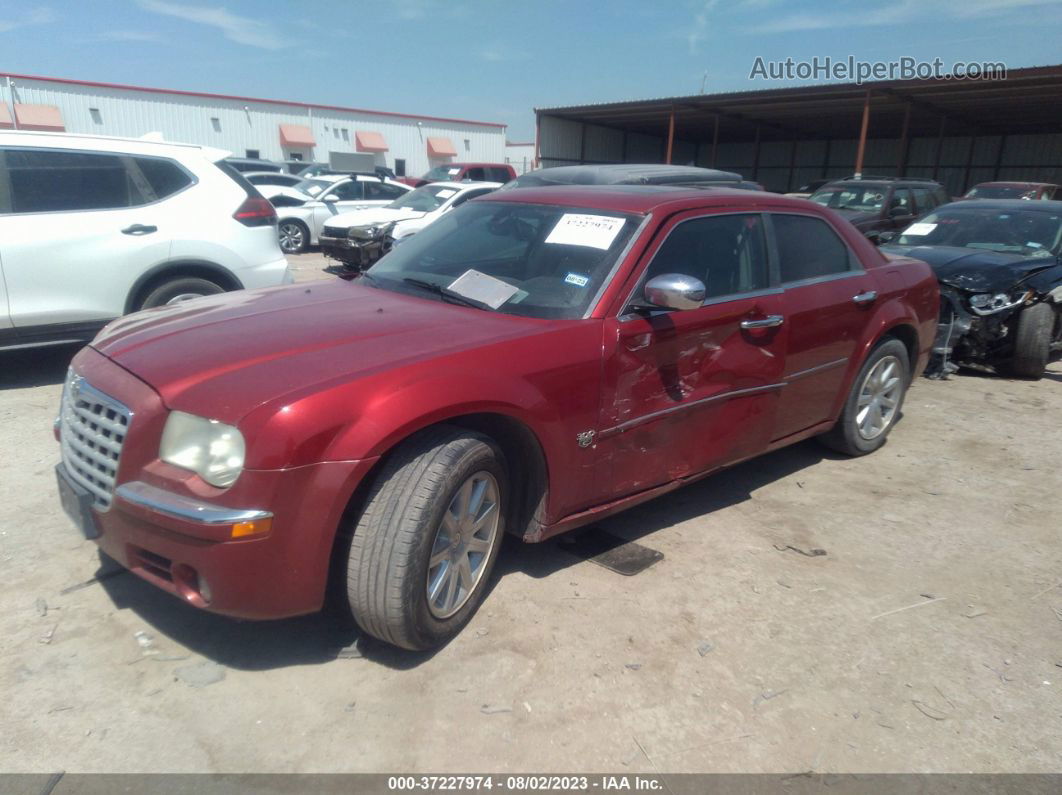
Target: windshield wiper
column 446, row 294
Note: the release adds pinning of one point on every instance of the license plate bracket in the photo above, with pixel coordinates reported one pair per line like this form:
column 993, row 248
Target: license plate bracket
column 77, row 502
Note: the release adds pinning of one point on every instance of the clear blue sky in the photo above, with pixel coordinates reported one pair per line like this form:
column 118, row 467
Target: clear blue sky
column 494, row 60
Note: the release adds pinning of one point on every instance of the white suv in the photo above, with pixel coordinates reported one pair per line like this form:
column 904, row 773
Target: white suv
column 92, row 228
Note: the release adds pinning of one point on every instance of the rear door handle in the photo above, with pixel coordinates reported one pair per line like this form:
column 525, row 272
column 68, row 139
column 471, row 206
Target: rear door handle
column 866, row 298
column 139, row 229
column 767, row 322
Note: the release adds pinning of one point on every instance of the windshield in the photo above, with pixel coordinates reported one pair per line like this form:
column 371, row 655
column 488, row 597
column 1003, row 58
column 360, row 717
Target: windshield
column 311, row 187
column 521, row 259
column 1026, row 232
column 861, row 198
column 1001, row 192
column 443, row 172
column 424, row 199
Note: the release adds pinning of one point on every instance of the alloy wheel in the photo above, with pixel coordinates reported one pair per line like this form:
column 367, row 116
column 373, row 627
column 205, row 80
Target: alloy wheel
column 291, row 238
column 879, row 397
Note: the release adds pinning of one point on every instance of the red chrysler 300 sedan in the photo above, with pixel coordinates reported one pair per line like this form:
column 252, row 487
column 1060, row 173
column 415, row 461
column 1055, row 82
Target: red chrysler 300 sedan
column 532, row 362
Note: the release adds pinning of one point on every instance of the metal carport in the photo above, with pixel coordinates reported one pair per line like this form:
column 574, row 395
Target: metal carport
column 957, row 131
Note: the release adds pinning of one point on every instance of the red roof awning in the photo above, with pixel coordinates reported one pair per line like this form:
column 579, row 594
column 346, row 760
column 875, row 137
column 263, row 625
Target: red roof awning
column 5, row 118
column 366, row 141
column 45, row 118
column 296, row 135
column 441, row 147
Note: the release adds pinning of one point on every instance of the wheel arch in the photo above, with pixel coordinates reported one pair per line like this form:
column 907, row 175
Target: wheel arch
column 176, row 269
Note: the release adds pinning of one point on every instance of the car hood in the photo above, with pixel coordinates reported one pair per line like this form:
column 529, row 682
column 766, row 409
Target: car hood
column 975, row 270
column 373, row 215
column 221, row 356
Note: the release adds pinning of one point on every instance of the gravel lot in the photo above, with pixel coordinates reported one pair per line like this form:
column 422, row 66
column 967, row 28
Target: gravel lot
column 735, row 653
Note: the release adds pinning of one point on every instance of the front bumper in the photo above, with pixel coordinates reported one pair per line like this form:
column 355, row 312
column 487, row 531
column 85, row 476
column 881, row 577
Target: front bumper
column 170, row 528
column 358, row 253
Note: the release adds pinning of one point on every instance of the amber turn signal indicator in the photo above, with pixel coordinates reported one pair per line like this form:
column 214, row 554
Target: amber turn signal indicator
column 256, row 528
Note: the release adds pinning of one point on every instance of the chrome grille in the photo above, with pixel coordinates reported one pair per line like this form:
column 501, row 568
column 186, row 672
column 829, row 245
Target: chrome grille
column 335, row 231
column 92, row 428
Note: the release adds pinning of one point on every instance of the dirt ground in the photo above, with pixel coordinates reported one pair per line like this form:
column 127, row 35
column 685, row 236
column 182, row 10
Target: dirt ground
column 927, row 638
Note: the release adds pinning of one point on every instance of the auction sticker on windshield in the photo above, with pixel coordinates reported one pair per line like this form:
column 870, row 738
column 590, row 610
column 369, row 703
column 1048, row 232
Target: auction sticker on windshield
column 595, row 231
column 483, row 287
column 445, row 194
column 920, row 229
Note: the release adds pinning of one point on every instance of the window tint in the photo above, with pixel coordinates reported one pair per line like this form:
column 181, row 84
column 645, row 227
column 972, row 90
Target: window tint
column 346, row 191
column 901, row 198
column 164, row 176
column 381, row 191
column 47, row 181
column 808, row 248
column 476, row 175
column 726, row 252
column 498, row 175
column 925, row 199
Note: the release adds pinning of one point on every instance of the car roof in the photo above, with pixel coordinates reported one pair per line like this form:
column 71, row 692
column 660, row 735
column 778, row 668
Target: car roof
column 643, row 199
column 881, row 183
column 270, row 174
column 1017, row 184
column 1006, row 204
column 627, row 174
column 463, row 185
column 108, row 143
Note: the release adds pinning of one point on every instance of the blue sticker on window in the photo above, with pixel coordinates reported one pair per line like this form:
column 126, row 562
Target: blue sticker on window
column 577, row 279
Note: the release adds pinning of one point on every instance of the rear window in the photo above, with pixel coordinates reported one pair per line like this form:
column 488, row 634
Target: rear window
column 50, row 180
column 239, row 179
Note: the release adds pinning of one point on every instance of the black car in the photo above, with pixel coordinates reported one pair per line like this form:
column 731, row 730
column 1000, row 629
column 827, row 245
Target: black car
column 1000, row 273
column 881, row 204
column 627, row 174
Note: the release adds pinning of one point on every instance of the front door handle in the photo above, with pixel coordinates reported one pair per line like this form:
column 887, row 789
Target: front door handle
column 139, row 229
column 770, row 321
column 866, row 298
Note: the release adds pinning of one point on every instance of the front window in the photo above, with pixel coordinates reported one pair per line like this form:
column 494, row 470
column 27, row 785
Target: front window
column 424, row 199
column 1025, row 232
column 533, row 260
column 443, row 172
column 859, row 198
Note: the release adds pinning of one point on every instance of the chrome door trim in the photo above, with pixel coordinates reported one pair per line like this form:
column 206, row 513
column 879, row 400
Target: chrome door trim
column 733, row 393
column 816, row 369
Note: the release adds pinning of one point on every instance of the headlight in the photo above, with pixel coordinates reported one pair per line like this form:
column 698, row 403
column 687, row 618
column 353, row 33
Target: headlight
column 367, row 232
column 211, row 449
column 989, row 304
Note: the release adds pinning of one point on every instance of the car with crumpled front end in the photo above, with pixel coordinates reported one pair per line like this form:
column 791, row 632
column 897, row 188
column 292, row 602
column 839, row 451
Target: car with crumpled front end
column 534, row 361
column 359, row 238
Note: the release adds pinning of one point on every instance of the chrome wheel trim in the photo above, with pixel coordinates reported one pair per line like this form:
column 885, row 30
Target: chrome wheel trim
column 183, row 297
column 463, row 544
column 879, row 398
column 291, row 237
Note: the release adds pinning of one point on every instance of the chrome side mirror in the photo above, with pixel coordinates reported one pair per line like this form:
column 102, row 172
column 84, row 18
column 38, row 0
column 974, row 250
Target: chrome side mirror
column 674, row 291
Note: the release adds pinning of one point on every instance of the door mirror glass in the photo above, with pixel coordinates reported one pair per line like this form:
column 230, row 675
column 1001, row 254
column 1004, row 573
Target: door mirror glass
column 674, row 291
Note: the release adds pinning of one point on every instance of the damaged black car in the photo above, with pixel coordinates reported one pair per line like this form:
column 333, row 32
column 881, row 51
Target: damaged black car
column 1000, row 273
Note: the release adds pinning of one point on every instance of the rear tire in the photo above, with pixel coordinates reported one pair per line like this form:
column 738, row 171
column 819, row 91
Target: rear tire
column 293, row 236
column 180, row 289
column 410, row 532
column 1032, row 342
column 874, row 403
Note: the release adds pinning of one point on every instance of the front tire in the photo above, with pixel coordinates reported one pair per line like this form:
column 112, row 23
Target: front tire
column 1032, row 342
column 425, row 544
column 874, row 403
column 293, row 236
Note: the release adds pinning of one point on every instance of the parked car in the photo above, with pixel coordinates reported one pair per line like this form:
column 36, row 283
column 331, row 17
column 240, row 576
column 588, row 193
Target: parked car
column 531, row 362
column 1035, row 191
column 272, row 178
column 359, row 238
column 458, row 172
column 808, row 188
column 253, row 164
column 1000, row 282
column 627, row 174
column 92, row 228
column 881, row 204
column 303, row 210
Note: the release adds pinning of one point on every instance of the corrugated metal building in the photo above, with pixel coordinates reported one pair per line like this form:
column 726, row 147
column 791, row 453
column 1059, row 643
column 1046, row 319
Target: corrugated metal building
column 959, row 133
column 271, row 129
